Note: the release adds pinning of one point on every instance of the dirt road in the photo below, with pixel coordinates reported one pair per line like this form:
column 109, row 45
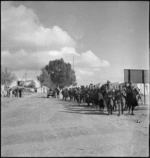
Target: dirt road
column 40, row 126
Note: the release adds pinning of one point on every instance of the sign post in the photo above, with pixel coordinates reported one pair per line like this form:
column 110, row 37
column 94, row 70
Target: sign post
column 143, row 80
column 129, row 76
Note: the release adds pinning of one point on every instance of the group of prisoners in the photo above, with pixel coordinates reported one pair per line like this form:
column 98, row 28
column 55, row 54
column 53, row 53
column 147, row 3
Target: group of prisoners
column 121, row 98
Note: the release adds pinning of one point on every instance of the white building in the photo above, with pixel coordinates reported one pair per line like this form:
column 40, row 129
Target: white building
column 37, row 84
column 141, row 87
column 42, row 89
column 14, row 83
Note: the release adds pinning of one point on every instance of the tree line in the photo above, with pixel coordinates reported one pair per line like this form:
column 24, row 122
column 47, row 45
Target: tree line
column 56, row 73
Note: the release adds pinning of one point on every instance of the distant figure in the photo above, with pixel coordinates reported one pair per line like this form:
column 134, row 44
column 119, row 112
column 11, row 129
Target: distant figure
column 35, row 90
column 58, row 91
column 16, row 92
column 55, row 92
column 60, row 94
column 10, row 91
column 20, row 93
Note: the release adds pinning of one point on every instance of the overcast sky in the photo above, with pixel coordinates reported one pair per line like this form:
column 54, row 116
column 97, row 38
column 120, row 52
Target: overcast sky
column 103, row 37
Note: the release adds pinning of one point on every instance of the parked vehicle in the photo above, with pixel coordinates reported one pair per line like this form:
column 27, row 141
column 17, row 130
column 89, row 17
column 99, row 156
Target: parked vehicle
column 50, row 93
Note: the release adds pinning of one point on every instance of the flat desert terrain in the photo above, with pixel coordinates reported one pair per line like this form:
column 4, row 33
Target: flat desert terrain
column 38, row 126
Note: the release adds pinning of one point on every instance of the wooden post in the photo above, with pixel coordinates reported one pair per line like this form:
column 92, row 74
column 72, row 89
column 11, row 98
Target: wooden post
column 129, row 76
column 143, row 80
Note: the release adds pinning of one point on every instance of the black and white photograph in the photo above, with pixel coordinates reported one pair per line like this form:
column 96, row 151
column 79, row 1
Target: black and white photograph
column 75, row 79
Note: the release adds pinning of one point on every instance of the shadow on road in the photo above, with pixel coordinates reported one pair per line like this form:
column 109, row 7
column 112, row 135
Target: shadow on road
column 141, row 107
column 86, row 113
column 46, row 97
column 42, row 97
column 83, row 109
column 92, row 110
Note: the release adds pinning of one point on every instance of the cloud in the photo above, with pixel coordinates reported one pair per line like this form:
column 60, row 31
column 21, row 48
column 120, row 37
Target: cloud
column 92, row 61
column 87, row 65
column 21, row 28
column 22, row 59
column 27, row 44
column 73, row 24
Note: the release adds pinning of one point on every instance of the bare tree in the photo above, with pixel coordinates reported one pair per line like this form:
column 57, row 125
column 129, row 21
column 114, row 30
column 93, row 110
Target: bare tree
column 6, row 76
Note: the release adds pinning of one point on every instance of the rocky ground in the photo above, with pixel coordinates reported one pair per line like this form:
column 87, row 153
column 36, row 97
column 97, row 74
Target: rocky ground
column 38, row 126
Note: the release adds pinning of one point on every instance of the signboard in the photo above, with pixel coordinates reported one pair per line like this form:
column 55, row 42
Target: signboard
column 136, row 76
column 146, row 76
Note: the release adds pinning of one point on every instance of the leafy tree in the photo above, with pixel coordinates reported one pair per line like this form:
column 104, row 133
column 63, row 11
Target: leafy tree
column 7, row 76
column 61, row 73
column 45, row 79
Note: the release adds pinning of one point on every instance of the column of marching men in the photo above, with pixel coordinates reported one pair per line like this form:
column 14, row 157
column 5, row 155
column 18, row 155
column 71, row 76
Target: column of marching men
column 121, row 98
column 108, row 97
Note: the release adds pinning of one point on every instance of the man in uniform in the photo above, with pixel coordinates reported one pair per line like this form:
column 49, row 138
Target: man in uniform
column 109, row 97
column 125, row 88
column 100, row 100
column 20, row 92
column 119, row 96
column 87, row 98
column 131, row 97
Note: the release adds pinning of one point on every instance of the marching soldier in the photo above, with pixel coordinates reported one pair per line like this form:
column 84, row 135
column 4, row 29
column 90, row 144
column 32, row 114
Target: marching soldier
column 119, row 96
column 109, row 97
column 78, row 95
column 100, row 100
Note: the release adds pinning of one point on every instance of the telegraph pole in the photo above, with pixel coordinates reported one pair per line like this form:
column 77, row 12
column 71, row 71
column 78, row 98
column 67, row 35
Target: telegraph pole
column 74, row 83
column 25, row 75
column 73, row 69
column 73, row 62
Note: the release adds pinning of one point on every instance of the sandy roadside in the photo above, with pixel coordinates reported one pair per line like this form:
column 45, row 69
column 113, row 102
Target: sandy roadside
column 37, row 126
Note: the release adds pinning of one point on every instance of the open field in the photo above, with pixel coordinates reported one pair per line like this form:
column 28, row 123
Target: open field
column 38, row 126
